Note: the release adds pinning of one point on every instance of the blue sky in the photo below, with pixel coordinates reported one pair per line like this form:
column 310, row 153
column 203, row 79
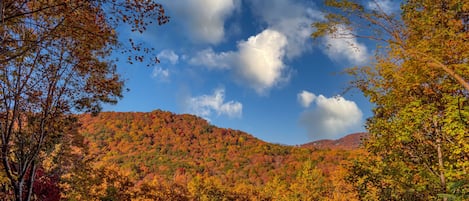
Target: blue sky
column 251, row 65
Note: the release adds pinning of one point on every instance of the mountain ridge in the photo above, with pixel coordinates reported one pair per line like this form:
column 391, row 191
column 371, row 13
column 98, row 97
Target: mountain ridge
column 161, row 144
column 348, row 142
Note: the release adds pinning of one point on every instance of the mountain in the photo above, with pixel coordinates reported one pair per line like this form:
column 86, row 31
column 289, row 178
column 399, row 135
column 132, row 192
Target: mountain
column 348, row 142
column 172, row 147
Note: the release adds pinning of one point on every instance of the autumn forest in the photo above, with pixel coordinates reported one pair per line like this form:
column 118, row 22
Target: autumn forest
column 57, row 70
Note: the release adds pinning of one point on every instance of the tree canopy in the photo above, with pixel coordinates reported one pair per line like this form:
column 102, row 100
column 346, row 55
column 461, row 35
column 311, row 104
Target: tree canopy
column 55, row 61
column 419, row 134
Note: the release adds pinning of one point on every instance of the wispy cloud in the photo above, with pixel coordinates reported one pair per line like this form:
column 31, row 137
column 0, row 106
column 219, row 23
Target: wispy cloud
column 212, row 60
column 168, row 55
column 386, row 6
column 160, row 74
column 205, row 105
column 291, row 18
column 331, row 117
column 341, row 45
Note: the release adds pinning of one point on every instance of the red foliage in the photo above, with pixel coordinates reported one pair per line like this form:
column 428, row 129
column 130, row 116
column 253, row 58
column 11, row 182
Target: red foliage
column 45, row 187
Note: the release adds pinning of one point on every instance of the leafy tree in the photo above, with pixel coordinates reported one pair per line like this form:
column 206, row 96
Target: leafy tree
column 158, row 190
column 205, row 188
column 341, row 190
column 433, row 33
column 54, row 61
column 419, row 133
column 277, row 189
column 310, row 184
column 104, row 183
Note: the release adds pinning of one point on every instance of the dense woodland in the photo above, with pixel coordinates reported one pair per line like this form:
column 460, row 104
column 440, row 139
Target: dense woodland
column 57, row 69
column 163, row 156
column 206, row 161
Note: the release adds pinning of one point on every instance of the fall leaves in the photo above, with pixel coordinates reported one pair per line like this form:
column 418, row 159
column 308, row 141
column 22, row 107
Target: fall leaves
column 418, row 82
column 168, row 156
column 54, row 61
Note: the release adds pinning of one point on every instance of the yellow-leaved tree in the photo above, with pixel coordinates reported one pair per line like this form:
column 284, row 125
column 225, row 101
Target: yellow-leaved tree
column 419, row 134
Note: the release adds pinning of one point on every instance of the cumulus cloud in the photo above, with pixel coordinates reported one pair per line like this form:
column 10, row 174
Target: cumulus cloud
column 258, row 62
column 168, row 55
column 331, row 117
column 205, row 105
column 341, row 45
column 306, row 98
column 386, row 6
column 204, row 19
column 293, row 19
column 261, row 60
column 290, row 18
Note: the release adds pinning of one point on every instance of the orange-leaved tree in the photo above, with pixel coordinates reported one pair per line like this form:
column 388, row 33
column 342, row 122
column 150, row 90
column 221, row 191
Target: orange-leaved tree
column 54, row 61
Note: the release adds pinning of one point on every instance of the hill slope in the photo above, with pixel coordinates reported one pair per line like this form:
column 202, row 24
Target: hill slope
column 348, row 142
column 164, row 145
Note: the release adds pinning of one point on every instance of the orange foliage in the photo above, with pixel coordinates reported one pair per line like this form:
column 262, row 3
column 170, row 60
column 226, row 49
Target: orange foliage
column 182, row 149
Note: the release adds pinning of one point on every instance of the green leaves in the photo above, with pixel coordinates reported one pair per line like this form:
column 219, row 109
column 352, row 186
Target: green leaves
column 457, row 191
column 418, row 84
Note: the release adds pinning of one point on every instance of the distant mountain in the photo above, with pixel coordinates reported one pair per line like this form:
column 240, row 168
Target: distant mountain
column 349, row 142
column 164, row 145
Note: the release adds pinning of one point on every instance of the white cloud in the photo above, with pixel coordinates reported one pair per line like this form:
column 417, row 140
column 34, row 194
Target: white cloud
column 258, row 62
column 331, row 117
column 204, row 19
column 205, row 105
column 169, row 55
column 261, row 60
column 290, row 18
column 341, row 45
column 306, row 98
column 386, row 6
column 293, row 19
column 160, row 74
column 209, row 59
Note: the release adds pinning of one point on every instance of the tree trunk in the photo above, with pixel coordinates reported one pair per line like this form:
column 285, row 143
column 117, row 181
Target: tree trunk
column 19, row 191
column 440, row 165
column 32, row 175
column 22, row 193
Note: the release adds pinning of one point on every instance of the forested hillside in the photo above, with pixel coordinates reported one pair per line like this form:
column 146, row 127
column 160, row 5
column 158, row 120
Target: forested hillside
column 349, row 142
column 62, row 63
column 167, row 149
